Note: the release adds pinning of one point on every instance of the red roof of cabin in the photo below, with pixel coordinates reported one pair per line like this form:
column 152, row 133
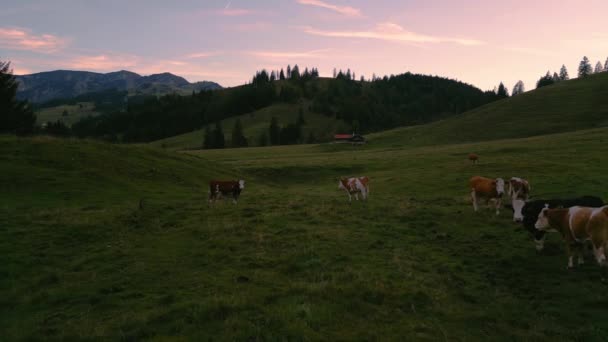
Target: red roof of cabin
column 343, row 136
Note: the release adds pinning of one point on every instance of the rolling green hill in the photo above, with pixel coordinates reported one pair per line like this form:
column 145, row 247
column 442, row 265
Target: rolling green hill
column 256, row 123
column 566, row 106
column 74, row 113
column 117, row 242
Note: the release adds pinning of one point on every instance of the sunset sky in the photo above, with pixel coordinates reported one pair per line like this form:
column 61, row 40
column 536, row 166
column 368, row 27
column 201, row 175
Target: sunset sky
column 475, row 41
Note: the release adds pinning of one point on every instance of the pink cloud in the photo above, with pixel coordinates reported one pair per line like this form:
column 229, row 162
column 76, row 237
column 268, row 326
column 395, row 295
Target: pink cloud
column 343, row 10
column 392, row 32
column 235, row 12
column 251, row 27
column 21, row 39
column 203, row 54
column 105, row 62
column 289, row 54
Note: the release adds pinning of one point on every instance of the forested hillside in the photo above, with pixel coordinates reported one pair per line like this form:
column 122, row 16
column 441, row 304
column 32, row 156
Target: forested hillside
column 366, row 106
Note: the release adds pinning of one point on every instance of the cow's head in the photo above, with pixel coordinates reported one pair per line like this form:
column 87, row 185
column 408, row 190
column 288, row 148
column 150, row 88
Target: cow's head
column 342, row 184
column 500, row 186
column 241, row 184
column 542, row 222
column 518, row 206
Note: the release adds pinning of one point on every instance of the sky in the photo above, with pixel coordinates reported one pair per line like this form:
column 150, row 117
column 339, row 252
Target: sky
column 480, row 42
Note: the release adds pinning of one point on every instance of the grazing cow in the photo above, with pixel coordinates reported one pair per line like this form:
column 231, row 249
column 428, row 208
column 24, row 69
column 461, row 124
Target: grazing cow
column 473, row 158
column 577, row 225
column 487, row 188
column 355, row 186
column 531, row 210
column 519, row 192
column 219, row 188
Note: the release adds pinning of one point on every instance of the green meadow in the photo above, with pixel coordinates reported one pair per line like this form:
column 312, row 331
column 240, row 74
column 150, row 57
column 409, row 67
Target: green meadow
column 73, row 113
column 118, row 242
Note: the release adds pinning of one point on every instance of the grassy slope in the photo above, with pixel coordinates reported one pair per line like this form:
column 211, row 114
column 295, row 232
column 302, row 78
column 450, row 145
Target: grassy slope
column 293, row 259
column 257, row 122
column 566, row 106
column 75, row 113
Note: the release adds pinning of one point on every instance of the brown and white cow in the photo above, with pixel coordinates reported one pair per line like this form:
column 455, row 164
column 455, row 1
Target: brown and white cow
column 473, row 158
column 519, row 193
column 488, row 189
column 218, row 188
column 577, row 225
column 355, row 186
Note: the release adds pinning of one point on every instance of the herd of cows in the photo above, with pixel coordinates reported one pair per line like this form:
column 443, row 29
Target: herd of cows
column 578, row 220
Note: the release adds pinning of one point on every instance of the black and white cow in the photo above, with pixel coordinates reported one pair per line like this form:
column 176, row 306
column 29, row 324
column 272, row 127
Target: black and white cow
column 531, row 209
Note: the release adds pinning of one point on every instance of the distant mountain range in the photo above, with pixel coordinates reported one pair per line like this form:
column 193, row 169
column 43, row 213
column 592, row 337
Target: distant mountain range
column 65, row 84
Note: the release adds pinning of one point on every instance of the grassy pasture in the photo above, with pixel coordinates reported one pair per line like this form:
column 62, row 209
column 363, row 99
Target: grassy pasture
column 75, row 113
column 563, row 107
column 84, row 257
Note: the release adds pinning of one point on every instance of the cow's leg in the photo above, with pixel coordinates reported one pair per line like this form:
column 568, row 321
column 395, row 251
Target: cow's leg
column 599, row 250
column 498, row 204
column 357, row 196
column 474, row 199
column 569, row 246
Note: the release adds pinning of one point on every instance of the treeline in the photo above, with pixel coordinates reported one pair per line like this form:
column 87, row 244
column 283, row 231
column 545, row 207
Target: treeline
column 367, row 106
column 16, row 117
column 289, row 134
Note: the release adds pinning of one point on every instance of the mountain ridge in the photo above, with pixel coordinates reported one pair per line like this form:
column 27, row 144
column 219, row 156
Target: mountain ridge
column 64, row 84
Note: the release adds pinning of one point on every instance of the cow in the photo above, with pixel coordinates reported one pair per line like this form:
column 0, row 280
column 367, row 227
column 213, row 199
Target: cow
column 531, row 210
column 473, row 158
column 217, row 189
column 519, row 192
column 355, row 186
column 577, row 225
column 487, row 188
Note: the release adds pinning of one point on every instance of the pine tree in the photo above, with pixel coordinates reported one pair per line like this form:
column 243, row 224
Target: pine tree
column 502, row 91
column 606, row 65
column 273, row 76
column 555, row 77
column 288, row 75
column 274, row 131
column 282, row 75
column 208, row 139
column 335, row 73
column 563, row 74
column 584, row 68
column 598, row 67
column 218, row 136
column 518, row 88
column 16, row 117
column 311, row 138
column 301, row 120
column 295, row 72
column 238, row 138
column 545, row 81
